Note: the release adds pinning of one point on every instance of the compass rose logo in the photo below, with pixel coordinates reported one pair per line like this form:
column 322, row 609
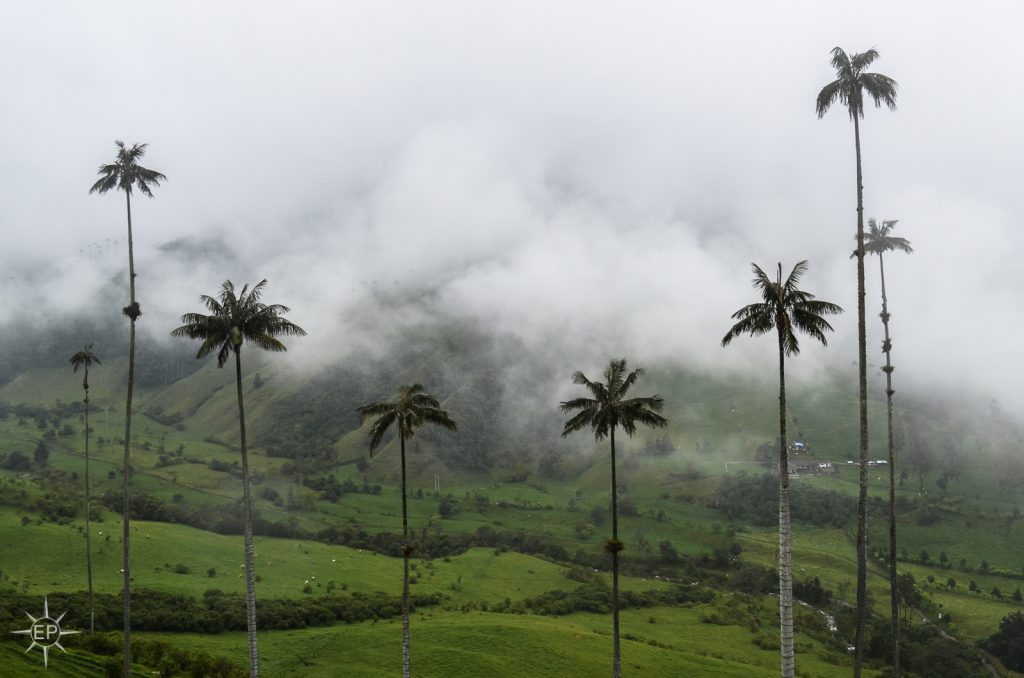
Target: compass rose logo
column 45, row 632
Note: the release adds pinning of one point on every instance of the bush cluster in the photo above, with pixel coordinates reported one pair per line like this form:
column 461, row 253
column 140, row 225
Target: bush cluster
column 755, row 499
column 215, row 612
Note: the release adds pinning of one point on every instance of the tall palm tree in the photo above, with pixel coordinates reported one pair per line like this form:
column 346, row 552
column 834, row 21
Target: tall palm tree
column 84, row 359
column 412, row 409
column 606, row 410
column 849, row 87
column 786, row 309
column 879, row 240
column 235, row 319
column 124, row 174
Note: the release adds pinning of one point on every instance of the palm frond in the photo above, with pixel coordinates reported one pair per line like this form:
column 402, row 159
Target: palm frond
column 578, row 404
column 851, row 82
column 861, row 61
column 380, row 427
column 879, row 239
column 236, row 319
column 840, row 61
column 754, row 319
column 422, row 400
column 267, row 343
column 828, row 95
column 793, row 280
column 374, row 410
column 84, row 358
column 607, row 409
column 106, row 182
column 630, row 379
column 881, row 89
column 785, row 308
column 585, row 418
column 438, row 417
column 654, row 403
column 126, row 172
column 412, row 409
column 208, row 346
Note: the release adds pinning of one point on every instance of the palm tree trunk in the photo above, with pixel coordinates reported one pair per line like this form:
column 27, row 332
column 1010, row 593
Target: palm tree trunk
column 126, row 465
column 894, row 598
column 88, row 507
column 788, row 664
column 615, row 548
column 250, row 578
column 862, row 376
column 406, row 552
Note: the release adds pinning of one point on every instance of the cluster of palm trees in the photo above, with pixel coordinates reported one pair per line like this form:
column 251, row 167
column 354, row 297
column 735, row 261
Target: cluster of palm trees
column 239, row 317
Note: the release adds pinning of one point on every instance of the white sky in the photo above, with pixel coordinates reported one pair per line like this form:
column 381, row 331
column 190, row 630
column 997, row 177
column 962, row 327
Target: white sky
column 601, row 172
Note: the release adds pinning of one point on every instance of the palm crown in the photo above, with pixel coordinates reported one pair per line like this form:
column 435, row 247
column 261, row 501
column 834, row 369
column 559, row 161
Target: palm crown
column 412, row 409
column 879, row 239
column 126, row 172
column 851, row 82
column 236, row 318
column 608, row 407
column 85, row 358
column 784, row 308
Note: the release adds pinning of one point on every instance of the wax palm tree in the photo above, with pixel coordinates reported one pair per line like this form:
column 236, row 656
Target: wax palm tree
column 412, row 409
column 84, row 359
column 236, row 319
column 879, row 240
column 124, row 174
column 851, row 83
column 787, row 310
column 606, row 410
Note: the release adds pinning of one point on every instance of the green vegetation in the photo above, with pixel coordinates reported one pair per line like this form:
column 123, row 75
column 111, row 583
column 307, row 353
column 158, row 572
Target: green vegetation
column 681, row 517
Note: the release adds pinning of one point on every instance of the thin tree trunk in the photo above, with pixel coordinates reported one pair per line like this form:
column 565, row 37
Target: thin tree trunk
column 615, row 548
column 126, row 465
column 788, row 665
column 88, row 507
column 894, row 598
column 862, row 377
column 406, row 551
column 250, row 577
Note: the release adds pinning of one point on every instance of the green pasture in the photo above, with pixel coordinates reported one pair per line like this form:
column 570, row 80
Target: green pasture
column 656, row 642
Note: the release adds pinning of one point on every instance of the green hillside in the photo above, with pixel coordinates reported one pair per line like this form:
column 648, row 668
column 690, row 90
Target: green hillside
column 505, row 512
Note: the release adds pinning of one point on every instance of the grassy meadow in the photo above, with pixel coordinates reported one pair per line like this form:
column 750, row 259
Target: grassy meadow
column 185, row 446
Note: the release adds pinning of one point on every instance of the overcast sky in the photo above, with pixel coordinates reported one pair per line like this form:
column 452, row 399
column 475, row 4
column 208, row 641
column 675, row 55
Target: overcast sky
column 597, row 171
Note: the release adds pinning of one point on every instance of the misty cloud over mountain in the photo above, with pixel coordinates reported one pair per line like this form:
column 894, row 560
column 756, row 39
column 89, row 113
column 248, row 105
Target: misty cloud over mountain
column 591, row 180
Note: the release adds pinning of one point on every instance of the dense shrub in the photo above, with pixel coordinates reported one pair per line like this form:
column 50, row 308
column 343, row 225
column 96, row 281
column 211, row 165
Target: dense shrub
column 755, row 499
column 216, row 612
column 597, row 597
column 1008, row 642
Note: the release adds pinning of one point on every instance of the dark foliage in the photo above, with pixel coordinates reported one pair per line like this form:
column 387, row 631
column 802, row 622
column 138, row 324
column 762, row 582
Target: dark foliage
column 1008, row 642
column 597, row 597
column 167, row 659
column 755, row 498
column 216, row 612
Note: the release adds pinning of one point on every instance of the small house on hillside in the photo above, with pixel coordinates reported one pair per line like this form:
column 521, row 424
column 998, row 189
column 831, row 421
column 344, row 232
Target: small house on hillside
column 811, row 466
